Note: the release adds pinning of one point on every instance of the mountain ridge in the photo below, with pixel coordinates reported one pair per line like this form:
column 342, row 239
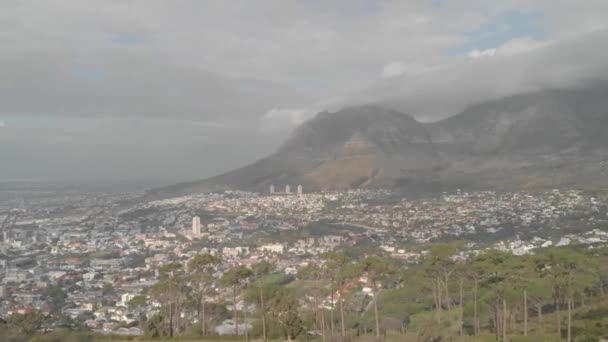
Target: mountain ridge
column 543, row 139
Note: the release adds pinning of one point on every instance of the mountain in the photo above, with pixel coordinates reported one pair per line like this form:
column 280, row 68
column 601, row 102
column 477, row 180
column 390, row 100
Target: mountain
column 545, row 139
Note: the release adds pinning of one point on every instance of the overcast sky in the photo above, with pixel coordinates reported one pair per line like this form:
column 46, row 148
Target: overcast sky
column 179, row 89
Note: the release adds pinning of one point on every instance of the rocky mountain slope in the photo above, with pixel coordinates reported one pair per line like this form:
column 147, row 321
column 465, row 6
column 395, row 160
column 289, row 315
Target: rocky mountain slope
column 545, row 139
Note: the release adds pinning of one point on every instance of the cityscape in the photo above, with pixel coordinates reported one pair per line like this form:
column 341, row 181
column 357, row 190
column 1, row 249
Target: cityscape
column 105, row 252
column 303, row 170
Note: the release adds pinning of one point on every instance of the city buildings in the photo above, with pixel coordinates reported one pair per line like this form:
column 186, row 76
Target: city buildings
column 114, row 251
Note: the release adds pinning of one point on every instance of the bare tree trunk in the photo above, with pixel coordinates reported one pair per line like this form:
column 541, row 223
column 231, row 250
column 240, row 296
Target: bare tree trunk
column 332, row 325
column 245, row 322
column 475, row 314
column 236, row 318
column 317, row 319
column 570, row 319
column 263, row 308
column 178, row 310
column 539, row 313
column 323, row 323
column 525, row 312
column 461, row 308
column 171, row 319
column 203, row 318
column 166, row 317
column 496, row 320
column 559, row 319
column 199, row 314
column 376, row 316
column 439, row 301
column 448, row 303
column 504, row 319
column 342, row 323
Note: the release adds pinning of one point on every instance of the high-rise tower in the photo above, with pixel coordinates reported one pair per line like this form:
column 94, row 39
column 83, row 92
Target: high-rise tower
column 196, row 225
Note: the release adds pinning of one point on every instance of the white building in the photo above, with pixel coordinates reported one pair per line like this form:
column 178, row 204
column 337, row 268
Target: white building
column 234, row 251
column 196, row 225
column 126, row 298
column 272, row 188
column 300, row 190
column 287, row 189
column 273, row 248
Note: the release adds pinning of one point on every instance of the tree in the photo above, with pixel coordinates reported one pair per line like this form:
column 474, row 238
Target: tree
column 137, row 302
column 29, row 323
column 170, row 291
column 567, row 272
column 169, row 270
column 235, row 278
column 56, row 297
column 440, row 266
column 156, row 327
column 378, row 271
column 283, row 308
column 202, row 267
column 519, row 272
column 316, row 275
column 336, row 265
column 538, row 296
column 260, row 270
column 499, row 289
column 476, row 269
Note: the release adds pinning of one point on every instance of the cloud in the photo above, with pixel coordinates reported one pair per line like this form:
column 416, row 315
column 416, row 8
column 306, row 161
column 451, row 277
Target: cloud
column 520, row 45
column 504, row 26
column 512, row 47
column 483, row 53
column 393, row 69
column 200, row 80
column 447, row 90
column 285, row 118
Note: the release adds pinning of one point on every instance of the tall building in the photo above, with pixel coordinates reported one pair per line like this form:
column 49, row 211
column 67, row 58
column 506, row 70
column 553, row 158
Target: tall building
column 196, row 225
column 272, row 188
column 287, row 189
column 300, row 190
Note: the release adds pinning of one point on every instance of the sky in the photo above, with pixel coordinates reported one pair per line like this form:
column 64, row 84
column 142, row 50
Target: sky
column 185, row 89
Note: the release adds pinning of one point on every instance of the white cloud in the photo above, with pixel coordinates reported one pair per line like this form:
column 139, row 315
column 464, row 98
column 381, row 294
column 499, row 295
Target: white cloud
column 447, row 90
column 512, row 47
column 482, row 53
column 285, row 118
column 519, row 45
